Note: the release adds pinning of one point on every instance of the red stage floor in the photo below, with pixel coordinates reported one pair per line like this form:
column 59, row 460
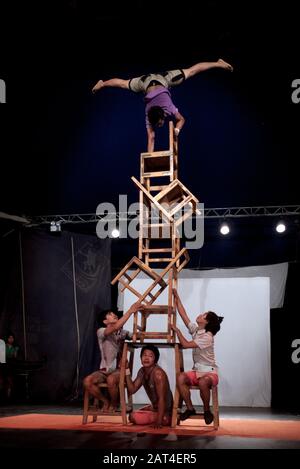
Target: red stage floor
column 247, row 427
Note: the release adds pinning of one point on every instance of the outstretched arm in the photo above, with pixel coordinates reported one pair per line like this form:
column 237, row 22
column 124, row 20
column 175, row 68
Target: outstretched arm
column 133, row 386
column 180, row 120
column 113, row 82
column 203, row 66
column 184, row 342
column 151, row 139
column 161, row 387
column 180, row 308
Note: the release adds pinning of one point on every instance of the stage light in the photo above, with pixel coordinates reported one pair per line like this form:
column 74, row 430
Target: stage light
column 115, row 233
column 55, row 226
column 280, row 227
column 224, row 228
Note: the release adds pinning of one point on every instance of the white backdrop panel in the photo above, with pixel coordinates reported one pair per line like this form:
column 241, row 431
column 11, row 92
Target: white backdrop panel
column 242, row 346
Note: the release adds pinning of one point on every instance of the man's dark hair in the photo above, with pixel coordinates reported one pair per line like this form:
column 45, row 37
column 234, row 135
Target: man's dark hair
column 153, row 349
column 214, row 321
column 8, row 335
column 155, row 114
column 101, row 316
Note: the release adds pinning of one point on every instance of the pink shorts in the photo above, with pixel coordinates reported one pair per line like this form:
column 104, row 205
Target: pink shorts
column 193, row 378
column 146, row 416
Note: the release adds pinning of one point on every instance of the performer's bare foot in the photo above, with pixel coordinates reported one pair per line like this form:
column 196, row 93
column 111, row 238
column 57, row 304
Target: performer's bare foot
column 113, row 408
column 105, row 407
column 225, row 65
column 98, row 86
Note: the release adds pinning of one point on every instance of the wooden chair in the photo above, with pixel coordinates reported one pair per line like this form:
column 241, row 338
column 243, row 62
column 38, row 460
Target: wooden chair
column 149, row 296
column 160, row 164
column 131, row 347
column 92, row 409
column 125, row 279
column 199, row 415
column 179, row 367
column 148, row 311
column 170, row 201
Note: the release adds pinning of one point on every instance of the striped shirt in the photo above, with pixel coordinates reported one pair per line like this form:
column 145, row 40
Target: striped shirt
column 203, row 355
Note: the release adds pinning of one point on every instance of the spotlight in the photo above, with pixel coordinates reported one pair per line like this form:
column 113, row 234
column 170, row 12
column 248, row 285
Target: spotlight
column 115, row 233
column 224, row 229
column 55, row 226
column 280, row 227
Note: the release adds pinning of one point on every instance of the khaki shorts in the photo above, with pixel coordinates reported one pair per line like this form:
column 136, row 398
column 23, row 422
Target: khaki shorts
column 167, row 79
column 100, row 377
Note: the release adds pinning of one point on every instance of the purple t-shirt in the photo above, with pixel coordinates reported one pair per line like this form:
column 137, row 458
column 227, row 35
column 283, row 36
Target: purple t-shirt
column 161, row 97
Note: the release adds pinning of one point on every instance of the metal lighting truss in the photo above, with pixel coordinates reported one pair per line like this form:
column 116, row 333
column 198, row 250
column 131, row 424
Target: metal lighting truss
column 226, row 212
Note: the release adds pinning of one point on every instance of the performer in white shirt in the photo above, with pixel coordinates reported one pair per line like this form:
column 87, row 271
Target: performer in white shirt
column 205, row 371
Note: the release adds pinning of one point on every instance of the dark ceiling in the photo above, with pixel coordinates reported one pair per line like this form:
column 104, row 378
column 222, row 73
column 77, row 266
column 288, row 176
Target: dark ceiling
column 64, row 150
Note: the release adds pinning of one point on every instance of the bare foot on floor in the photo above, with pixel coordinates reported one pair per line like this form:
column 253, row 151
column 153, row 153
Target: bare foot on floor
column 225, row 65
column 105, row 407
column 112, row 408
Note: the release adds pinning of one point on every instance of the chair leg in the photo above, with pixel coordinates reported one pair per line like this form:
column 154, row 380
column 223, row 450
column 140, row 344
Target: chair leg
column 122, row 384
column 175, row 408
column 177, row 398
column 96, row 404
column 215, row 403
column 85, row 407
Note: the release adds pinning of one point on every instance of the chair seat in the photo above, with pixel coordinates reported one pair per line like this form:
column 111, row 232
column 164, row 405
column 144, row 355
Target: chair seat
column 93, row 409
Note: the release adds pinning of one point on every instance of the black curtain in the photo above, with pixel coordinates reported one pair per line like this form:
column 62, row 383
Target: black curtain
column 66, row 280
column 285, row 328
